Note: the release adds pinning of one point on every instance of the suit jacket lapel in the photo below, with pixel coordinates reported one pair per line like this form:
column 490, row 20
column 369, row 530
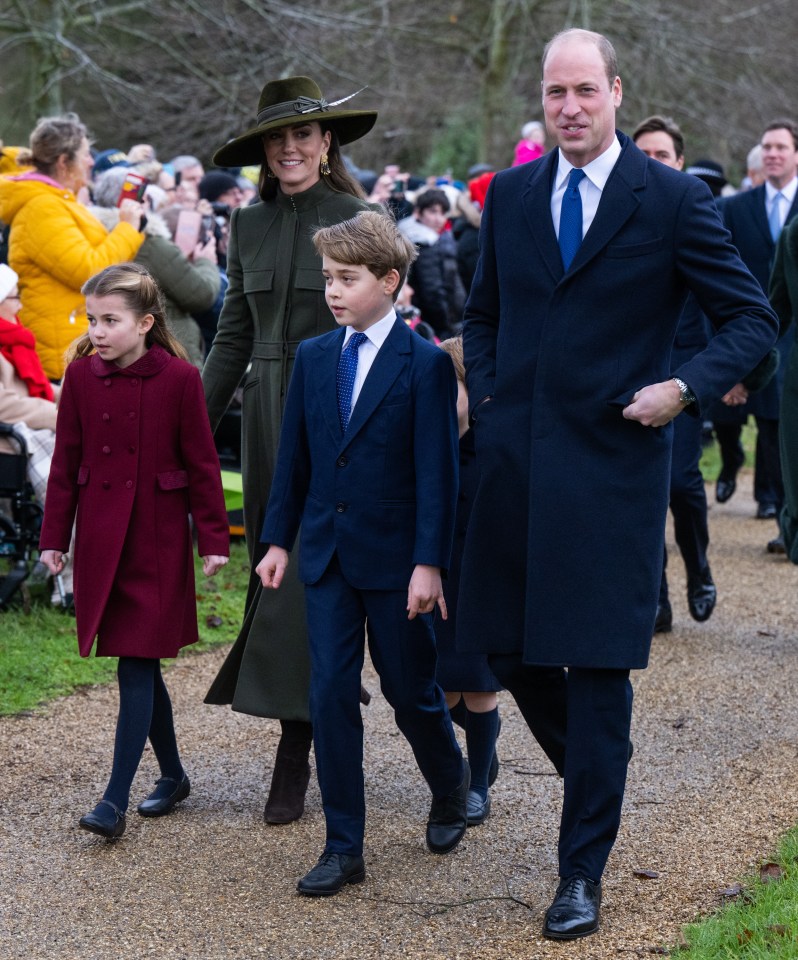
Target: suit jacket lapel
column 536, row 202
column 326, row 383
column 388, row 364
column 758, row 201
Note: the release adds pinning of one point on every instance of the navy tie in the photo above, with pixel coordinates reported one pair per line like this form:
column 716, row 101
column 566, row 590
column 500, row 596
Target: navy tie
column 571, row 218
column 345, row 381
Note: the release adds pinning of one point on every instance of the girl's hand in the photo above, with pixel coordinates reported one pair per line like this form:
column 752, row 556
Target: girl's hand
column 212, row 564
column 54, row 560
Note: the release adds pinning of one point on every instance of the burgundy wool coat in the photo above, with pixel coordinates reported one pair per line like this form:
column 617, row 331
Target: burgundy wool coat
column 134, row 455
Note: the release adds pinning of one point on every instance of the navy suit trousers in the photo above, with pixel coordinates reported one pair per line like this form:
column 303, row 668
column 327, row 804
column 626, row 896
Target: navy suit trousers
column 581, row 718
column 403, row 654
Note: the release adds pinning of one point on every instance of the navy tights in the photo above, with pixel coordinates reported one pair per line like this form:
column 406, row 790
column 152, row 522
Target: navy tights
column 145, row 710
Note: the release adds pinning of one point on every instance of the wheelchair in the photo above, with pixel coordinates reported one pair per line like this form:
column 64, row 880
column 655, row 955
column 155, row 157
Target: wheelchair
column 20, row 517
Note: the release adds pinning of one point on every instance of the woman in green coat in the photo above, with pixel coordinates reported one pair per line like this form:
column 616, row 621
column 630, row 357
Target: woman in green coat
column 784, row 299
column 274, row 301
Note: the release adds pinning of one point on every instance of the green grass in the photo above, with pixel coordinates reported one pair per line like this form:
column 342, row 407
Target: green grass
column 761, row 923
column 710, row 458
column 39, row 657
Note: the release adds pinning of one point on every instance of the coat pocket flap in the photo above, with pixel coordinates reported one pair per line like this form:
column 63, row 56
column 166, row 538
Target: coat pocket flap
column 173, row 479
column 83, row 476
column 257, row 280
column 309, row 278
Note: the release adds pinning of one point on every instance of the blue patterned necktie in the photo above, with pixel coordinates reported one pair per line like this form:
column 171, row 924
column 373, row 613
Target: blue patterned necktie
column 345, row 381
column 571, row 218
column 774, row 219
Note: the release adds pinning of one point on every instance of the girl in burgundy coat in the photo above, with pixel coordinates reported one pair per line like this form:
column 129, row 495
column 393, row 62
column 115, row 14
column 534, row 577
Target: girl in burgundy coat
column 134, row 456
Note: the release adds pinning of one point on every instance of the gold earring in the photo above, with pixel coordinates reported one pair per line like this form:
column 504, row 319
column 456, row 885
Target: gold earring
column 324, row 165
column 269, row 173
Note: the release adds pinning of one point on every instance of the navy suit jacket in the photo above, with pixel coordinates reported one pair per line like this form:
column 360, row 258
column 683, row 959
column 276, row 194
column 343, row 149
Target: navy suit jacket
column 383, row 495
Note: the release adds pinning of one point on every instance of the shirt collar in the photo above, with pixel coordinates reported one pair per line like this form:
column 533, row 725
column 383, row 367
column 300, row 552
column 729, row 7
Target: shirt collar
column 377, row 333
column 597, row 171
column 787, row 192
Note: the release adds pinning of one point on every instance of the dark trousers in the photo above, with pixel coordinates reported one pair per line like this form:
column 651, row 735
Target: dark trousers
column 688, row 499
column 581, row 719
column 768, row 484
column 403, row 654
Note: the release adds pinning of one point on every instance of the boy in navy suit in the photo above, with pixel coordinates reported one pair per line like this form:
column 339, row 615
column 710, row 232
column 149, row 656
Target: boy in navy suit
column 367, row 464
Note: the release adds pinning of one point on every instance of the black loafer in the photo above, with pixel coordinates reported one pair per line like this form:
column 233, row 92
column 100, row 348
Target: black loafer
column 575, row 910
column 663, row 622
column 331, row 873
column 106, row 820
column 448, row 817
column 477, row 809
column 701, row 596
column 163, row 798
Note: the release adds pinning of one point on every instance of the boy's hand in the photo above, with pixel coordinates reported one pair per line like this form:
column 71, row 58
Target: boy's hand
column 54, row 560
column 425, row 591
column 212, row 564
column 271, row 569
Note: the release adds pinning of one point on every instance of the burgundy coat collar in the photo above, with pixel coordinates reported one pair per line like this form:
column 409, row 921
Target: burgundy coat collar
column 153, row 361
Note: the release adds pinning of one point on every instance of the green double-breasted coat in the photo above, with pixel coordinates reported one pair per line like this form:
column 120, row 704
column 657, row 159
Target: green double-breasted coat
column 274, row 301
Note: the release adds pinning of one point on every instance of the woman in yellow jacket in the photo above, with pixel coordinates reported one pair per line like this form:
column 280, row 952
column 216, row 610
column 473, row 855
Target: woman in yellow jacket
column 55, row 244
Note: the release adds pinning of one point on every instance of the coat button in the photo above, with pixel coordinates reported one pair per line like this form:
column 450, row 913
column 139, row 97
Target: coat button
column 132, row 414
column 107, row 383
column 106, row 484
column 128, row 483
column 106, row 449
column 106, row 416
column 340, row 507
column 134, row 382
column 131, row 449
column 342, row 461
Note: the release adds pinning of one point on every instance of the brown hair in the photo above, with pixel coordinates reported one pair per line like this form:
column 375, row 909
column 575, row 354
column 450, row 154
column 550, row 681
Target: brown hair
column 371, row 240
column 454, row 347
column 605, row 48
column 51, row 138
column 141, row 294
column 339, row 178
column 659, row 124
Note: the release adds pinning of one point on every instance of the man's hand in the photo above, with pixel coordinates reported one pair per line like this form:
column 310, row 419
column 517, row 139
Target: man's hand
column 272, row 567
column 655, row 405
column 736, row 397
column 425, row 591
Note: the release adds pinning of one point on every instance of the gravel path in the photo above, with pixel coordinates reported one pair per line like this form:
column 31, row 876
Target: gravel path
column 711, row 788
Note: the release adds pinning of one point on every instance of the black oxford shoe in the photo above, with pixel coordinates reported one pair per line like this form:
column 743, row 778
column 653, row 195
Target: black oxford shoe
column 163, row 798
column 767, row 511
column 477, row 809
column 106, row 820
column 725, row 486
column 701, row 595
column 575, row 910
column 776, row 545
column 331, row 873
column 448, row 817
column 663, row 622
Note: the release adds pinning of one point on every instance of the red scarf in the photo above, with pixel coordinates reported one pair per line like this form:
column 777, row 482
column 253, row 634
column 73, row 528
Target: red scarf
column 18, row 346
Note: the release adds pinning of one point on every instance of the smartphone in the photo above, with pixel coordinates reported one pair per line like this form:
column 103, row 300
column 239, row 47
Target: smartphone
column 398, row 186
column 133, row 188
column 207, row 228
column 187, row 231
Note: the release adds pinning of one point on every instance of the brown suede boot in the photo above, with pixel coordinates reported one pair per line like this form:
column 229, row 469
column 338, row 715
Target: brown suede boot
column 290, row 779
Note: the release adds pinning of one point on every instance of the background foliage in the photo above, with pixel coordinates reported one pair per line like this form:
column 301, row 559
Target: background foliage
column 453, row 79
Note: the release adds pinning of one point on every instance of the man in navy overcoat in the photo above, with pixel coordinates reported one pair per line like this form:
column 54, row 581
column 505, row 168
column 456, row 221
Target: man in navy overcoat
column 571, row 393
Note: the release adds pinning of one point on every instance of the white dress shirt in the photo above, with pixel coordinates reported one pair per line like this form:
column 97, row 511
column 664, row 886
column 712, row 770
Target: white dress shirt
column 788, row 192
column 597, row 172
column 376, row 335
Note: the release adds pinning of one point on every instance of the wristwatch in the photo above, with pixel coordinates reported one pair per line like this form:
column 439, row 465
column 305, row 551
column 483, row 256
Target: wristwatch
column 686, row 395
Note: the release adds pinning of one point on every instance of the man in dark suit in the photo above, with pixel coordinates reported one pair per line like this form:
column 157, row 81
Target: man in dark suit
column 587, row 256
column 755, row 219
column 661, row 139
column 367, row 464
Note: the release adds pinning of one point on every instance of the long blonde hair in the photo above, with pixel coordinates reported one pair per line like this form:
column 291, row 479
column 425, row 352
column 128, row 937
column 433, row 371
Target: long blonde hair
column 141, row 294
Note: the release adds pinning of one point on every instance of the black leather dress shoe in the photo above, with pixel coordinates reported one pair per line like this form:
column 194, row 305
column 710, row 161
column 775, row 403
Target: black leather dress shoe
column 331, row 873
column 776, row 545
column 701, row 595
column 726, row 485
column 477, row 809
column 663, row 622
column 766, row 511
column 106, row 820
column 163, row 798
column 575, row 910
column 448, row 817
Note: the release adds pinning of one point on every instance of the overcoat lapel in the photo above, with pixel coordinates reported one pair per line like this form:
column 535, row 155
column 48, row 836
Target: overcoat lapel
column 536, row 202
column 759, row 217
column 391, row 359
